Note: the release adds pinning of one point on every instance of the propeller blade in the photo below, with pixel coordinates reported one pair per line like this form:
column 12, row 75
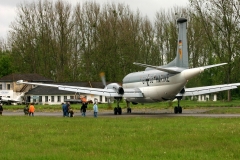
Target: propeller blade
column 102, row 75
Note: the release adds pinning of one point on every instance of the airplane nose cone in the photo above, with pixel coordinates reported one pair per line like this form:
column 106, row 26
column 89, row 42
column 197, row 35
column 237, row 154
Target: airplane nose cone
column 190, row 73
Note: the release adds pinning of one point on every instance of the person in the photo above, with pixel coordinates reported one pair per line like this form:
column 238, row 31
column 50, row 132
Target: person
column 95, row 109
column 68, row 107
column 1, row 109
column 31, row 109
column 70, row 110
column 84, row 109
column 65, row 110
column 25, row 110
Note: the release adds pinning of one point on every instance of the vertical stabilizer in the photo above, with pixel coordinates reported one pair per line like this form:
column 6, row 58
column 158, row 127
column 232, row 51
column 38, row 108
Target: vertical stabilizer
column 181, row 59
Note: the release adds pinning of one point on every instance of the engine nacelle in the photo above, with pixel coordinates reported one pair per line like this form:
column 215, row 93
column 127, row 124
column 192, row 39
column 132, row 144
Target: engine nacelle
column 116, row 87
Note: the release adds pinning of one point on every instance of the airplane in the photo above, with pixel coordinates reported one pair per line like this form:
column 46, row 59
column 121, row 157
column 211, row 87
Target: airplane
column 7, row 100
column 155, row 83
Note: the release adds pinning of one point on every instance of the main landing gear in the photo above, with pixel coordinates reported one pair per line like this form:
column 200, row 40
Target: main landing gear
column 178, row 109
column 118, row 109
column 129, row 110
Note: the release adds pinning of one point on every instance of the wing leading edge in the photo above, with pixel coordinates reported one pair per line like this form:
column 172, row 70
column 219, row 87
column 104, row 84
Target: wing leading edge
column 208, row 89
column 134, row 92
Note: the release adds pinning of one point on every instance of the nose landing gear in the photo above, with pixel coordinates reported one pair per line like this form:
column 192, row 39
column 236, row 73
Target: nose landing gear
column 178, row 109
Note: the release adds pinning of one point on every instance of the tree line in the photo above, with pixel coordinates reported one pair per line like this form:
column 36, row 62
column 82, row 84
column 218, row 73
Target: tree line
column 76, row 43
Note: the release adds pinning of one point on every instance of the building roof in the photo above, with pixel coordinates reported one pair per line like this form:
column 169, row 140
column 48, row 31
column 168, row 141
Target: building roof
column 43, row 90
column 31, row 77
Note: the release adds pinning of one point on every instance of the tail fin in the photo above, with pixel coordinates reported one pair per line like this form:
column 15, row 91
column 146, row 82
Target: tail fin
column 181, row 59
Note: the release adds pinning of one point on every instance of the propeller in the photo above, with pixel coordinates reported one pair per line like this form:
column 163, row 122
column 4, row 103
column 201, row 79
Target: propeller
column 102, row 75
column 103, row 78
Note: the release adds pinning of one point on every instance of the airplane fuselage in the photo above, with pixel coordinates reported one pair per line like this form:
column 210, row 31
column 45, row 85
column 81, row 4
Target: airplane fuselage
column 155, row 85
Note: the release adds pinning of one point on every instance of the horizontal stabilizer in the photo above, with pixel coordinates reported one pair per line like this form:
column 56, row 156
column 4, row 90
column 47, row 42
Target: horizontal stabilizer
column 215, row 65
column 158, row 68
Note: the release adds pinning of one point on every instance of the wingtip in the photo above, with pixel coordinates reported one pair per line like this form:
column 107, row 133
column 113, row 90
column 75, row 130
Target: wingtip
column 19, row 81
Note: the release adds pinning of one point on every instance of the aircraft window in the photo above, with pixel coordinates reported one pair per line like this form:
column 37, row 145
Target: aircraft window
column 151, row 79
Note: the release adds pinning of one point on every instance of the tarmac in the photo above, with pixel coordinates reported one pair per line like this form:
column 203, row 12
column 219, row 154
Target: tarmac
column 157, row 113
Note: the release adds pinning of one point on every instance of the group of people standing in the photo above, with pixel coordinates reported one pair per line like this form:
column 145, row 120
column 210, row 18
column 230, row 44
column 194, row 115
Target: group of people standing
column 29, row 110
column 83, row 109
column 67, row 110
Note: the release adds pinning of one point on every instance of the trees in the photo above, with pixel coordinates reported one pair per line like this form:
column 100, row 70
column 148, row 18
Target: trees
column 220, row 20
column 76, row 43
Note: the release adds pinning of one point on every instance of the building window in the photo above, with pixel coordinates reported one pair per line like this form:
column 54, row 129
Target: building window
column 40, row 98
column 65, row 97
column 59, row 98
column 52, row 98
column 71, row 97
column 46, row 98
column 0, row 86
column 100, row 98
column 106, row 100
column 8, row 86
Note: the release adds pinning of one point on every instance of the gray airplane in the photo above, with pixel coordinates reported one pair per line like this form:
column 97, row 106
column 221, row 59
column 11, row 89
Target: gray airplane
column 155, row 83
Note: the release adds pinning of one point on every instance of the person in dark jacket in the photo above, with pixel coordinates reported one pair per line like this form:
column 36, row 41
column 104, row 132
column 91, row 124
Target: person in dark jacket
column 25, row 110
column 1, row 108
column 84, row 109
column 70, row 110
column 65, row 110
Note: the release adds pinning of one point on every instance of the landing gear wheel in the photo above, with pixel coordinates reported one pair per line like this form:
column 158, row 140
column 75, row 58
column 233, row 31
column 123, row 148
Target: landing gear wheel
column 176, row 110
column 119, row 110
column 179, row 109
column 115, row 110
column 129, row 110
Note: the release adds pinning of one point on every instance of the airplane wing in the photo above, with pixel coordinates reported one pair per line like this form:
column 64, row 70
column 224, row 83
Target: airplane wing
column 208, row 89
column 134, row 92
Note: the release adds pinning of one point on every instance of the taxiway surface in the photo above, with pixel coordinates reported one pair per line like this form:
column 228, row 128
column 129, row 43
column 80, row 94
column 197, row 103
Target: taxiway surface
column 157, row 113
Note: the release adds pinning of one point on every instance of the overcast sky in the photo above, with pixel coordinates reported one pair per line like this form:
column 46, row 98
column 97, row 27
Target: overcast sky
column 146, row 7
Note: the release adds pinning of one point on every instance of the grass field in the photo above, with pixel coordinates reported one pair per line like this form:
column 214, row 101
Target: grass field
column 119, row 138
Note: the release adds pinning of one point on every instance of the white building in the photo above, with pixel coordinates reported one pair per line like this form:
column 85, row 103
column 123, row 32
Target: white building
column 51, row 95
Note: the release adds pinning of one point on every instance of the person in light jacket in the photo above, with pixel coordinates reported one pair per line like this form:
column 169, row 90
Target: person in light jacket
column 95, row 109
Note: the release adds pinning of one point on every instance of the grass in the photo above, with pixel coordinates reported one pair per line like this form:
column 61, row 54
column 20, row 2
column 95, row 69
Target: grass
column 119, row 138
